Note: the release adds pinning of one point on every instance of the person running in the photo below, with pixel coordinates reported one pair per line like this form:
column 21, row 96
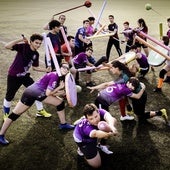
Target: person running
column 86, row 134
column 18, row 73
column 114, row 39
column 47, row 90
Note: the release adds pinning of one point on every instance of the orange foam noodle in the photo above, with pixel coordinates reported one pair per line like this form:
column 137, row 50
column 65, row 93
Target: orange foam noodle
column 102, row 35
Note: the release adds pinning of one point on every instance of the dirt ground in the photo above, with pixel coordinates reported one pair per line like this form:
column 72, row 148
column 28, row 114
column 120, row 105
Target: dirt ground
column 37, row 143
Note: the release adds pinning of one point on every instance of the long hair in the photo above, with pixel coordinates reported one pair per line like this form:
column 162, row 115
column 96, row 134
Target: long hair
column 122, row 67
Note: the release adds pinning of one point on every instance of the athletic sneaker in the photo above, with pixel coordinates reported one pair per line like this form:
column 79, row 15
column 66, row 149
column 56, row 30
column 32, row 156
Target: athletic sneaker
column 164, row 115
column 80, row 153
column 43, row 113
column 104, row 149
column 130, row 113
column 5, row 116
column 3, row 141
column 66, row 126
column 78, row 120
column 127, row 117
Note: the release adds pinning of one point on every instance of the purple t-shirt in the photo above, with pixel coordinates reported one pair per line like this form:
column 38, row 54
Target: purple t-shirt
column 143, row 61
column 168, row 33
column 82, row 130
column 114, row 93
column 48, row 81
column 80, row 58
column 24, row 59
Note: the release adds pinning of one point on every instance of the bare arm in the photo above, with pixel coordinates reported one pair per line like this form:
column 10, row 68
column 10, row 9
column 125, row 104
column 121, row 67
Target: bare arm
column 100, row 86
column 40, row 69
column 139, row 94
column 12, row 43
column 50, row 92
column 46, row 26
column 100, row 134
column 111, row 122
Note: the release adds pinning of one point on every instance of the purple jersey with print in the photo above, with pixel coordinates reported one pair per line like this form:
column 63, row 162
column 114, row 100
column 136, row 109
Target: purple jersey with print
column 115, row 92
column 82, row 130
column 78, row 42
column 24, row 59
column 80, row 58
column 143, row 61
column 48, row 81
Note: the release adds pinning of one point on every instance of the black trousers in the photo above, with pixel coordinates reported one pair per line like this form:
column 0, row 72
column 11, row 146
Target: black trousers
column 110, row 43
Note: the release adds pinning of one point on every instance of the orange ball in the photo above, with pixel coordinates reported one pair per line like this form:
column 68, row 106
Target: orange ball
column 87, row 4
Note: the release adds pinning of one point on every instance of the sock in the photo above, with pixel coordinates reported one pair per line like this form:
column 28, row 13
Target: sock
column 159, row 113
column 160, row 83
column 39, row 105
column 129, row 107
column 6, row 106
column 122, row 104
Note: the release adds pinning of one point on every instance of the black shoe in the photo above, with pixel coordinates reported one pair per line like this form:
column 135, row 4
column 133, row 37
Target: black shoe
column 90, row 84
column 167, row 80
column 157, row 89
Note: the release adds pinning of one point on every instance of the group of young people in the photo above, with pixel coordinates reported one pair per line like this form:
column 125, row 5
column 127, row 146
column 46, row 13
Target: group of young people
column 50, row 87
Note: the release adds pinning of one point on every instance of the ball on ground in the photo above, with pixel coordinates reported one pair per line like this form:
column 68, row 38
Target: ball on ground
column 78, row 88
column 148, row 6
column 102, row 125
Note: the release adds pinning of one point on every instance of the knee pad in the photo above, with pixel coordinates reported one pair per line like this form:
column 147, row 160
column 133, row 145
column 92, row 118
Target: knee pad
column 61, row 106
column 162, row 73
column 13, row 116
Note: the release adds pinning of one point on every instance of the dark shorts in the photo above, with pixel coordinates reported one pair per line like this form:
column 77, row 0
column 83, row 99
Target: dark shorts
column 88, row 149
column 31, row 94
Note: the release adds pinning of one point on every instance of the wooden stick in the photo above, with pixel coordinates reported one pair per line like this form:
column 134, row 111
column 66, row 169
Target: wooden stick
column 100, row 30
column 152, row 47
column 99, row 36
column 86, row 4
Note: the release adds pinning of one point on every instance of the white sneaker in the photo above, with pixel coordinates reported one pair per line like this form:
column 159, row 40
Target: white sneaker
column 105, row 149
column 127, row 117
column 80, row 153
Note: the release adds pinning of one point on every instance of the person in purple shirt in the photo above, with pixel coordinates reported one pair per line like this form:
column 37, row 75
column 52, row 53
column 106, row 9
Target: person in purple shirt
column 26, row 57
column 46, row 89
column 86, row 133
column 111, row 92
column 128, row 35
column 142, row 61
column 81, row 61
